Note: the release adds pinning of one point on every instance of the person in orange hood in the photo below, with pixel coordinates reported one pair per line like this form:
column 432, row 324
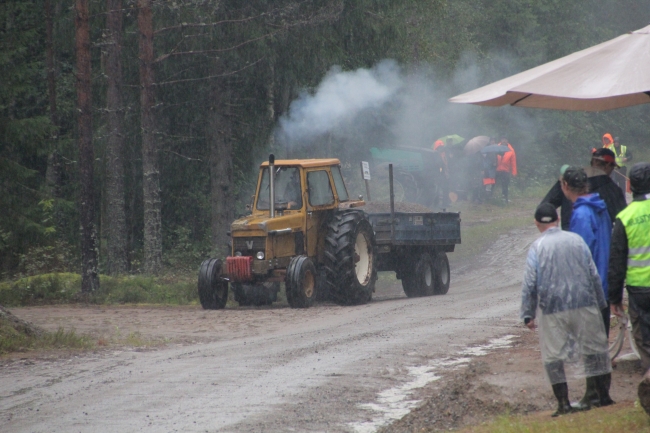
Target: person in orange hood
column 506, row 167
column 608, row 140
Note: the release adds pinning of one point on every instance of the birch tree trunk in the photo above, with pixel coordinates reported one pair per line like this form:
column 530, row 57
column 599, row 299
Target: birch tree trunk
column 115, row 214
column 150, row 160
column 219, row 140
column 89, row 274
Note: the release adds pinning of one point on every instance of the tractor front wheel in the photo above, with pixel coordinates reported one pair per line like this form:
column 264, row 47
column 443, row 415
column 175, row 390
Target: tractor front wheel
column 213, row 290
column 301, row 282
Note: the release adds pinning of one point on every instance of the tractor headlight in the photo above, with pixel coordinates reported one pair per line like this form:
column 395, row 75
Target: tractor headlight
column 260, row 255
column 237, row 253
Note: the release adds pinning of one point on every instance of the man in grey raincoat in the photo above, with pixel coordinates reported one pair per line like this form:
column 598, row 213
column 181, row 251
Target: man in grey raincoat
column 561, row 281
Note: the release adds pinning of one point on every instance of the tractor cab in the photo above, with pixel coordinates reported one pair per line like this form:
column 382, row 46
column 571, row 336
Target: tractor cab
column 288, row 212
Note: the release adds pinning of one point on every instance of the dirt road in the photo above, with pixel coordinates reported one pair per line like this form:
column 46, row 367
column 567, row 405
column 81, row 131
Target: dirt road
column 327, row 368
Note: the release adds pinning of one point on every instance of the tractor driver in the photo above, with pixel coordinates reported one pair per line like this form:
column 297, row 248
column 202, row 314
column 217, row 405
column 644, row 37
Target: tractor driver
column 292, row 191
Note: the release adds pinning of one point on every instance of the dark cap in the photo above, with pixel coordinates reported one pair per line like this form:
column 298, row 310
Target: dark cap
column 545, row 213
column 575, row 177
column 640, row 178
column 605, row 155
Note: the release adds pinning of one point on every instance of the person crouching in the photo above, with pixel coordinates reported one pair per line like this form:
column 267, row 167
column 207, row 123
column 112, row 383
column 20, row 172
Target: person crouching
column 561, row 281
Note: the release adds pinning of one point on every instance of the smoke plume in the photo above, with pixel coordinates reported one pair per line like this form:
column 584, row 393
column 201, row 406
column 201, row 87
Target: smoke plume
column 339, row 97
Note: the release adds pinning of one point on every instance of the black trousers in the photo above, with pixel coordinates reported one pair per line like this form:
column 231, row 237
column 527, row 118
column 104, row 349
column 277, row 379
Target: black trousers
column 503, row 178
column 639, row 311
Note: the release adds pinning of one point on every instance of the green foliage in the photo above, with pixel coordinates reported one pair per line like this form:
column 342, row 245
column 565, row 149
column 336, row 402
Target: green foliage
column 181, row 252
column 624, row 418
column 56, row 288
column 136, row 289
column 58, row 257
column 40, row 289
column 12, row 340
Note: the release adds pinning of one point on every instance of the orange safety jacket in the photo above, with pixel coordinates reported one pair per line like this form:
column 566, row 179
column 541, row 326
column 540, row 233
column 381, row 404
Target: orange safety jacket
column 608, row 140
column 508, row 161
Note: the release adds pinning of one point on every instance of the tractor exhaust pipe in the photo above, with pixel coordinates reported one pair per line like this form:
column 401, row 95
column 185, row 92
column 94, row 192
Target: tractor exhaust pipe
column 392, row 203
column 272, row 185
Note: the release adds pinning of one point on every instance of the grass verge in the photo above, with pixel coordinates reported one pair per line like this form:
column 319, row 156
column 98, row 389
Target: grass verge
column 14, row 340
column 619, row 418
column 57, row 288
column 483, row 224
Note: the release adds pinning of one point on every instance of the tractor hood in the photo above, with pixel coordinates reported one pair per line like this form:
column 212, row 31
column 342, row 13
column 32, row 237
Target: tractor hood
column 263, row 225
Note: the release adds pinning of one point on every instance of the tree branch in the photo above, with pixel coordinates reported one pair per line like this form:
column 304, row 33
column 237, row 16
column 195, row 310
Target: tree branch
column 188, row 25
column 163, row 83
column 220, row 50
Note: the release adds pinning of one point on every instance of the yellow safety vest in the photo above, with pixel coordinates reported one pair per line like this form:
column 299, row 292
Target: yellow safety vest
column 636, row 220
column 621, row 155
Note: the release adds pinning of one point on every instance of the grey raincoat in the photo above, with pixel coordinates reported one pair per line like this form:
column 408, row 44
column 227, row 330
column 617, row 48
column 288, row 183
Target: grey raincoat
column 562, row 287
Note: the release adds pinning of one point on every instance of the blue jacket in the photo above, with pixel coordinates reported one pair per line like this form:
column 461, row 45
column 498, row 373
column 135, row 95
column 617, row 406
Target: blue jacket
column 591, row 221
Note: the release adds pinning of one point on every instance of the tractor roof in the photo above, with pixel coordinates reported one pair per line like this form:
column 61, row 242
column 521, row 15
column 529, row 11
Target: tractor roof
column 305, row 162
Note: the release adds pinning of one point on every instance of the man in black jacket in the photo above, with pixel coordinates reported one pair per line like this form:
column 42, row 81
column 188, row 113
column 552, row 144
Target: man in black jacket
column 602, row 164
column 556, row 197
column 629, row 263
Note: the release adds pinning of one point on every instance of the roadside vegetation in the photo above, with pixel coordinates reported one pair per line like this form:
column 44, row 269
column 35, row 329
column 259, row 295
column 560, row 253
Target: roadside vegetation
column 61, row 288
column 19, row 336
column 619, row 418
column 12, row 340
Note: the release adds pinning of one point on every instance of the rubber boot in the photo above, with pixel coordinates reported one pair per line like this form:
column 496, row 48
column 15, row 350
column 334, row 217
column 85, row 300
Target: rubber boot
column 590, row 399
column 561, row 391
column 602, row 387
column 644, row 392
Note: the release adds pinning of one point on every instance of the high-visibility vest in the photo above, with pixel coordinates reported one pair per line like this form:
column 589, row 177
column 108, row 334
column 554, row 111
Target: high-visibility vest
column 636, row 220
column 620, row 155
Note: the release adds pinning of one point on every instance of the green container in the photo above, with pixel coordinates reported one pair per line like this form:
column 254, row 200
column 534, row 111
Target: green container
column 406, row 160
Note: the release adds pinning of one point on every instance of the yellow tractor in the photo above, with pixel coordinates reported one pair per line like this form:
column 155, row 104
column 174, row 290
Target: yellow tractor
column 303, row 230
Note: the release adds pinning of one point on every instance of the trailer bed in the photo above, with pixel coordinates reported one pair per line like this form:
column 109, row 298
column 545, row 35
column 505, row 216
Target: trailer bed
column 416, row 228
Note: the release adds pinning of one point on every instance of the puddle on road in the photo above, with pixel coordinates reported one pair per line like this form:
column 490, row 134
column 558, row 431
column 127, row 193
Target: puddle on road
column 392, row 404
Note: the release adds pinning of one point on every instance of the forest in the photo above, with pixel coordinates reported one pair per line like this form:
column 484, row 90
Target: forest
column 131, row 130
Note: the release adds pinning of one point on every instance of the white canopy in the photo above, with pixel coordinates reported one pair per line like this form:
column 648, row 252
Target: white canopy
column 610, row 75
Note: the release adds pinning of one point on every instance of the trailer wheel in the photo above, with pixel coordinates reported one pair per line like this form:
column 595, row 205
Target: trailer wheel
column 349, row 258
column 301, row 282
column 442, row 274
column 419, row 280
column 213, row 290
column 409, row 283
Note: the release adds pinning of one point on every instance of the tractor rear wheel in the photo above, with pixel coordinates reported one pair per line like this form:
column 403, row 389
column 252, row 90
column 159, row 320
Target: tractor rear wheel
column 213, row 290
column 301, row 282
column 442, row 274
column 349, row 258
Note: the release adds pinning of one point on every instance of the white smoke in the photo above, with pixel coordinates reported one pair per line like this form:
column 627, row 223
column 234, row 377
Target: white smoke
column 341, row 96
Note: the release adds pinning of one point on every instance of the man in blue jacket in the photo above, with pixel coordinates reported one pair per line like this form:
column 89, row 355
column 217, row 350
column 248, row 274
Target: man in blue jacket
column 590, row 219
